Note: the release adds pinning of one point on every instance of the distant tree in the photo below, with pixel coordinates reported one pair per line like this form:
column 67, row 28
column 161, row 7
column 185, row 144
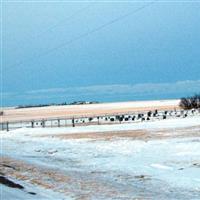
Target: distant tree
column 192, row 102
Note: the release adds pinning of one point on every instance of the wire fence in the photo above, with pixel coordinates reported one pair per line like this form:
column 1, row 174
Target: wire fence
column 84, row 120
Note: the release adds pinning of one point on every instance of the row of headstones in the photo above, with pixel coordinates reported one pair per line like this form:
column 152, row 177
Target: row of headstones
column 150, row 115
column 138, row 117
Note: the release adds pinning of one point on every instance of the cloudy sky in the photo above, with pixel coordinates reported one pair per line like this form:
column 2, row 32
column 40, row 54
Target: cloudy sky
column 103, row 51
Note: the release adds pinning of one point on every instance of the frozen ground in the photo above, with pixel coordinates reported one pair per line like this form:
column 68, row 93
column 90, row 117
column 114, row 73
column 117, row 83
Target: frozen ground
column 8, row 193
column 100, row 168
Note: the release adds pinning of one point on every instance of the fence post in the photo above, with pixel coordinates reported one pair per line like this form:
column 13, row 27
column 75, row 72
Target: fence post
column 73, row 124
column 43, row 123
column 32, row 124
column 58, row 122
column 7, row 126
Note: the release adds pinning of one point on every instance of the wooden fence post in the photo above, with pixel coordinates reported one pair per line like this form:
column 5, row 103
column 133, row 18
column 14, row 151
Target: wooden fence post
column 7, row 126
column 58, row 122
column 73, row 124
column 32, row 124
column 43, row 123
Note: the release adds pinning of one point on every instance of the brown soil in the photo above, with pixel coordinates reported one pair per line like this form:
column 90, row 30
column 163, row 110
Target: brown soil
column 135, row 134
column 65, row 182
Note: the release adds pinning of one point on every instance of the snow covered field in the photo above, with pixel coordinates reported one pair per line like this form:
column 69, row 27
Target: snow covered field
column 155, row 160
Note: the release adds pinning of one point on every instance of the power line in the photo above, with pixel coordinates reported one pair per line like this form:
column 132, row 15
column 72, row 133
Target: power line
column 64, row 20
column 77, row 12
column 86, row 34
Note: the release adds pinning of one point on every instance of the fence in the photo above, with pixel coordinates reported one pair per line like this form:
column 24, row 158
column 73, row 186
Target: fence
column 116, row 118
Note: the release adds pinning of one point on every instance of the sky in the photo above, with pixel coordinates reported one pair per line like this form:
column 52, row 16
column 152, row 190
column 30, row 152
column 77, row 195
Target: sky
column 62, row 51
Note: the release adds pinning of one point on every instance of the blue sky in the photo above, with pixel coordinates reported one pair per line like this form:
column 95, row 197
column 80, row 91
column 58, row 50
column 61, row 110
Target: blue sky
column 52, row 53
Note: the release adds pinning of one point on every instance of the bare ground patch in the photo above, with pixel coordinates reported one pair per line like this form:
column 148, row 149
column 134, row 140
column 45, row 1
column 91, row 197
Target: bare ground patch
column 134, row 134
column 80, row 186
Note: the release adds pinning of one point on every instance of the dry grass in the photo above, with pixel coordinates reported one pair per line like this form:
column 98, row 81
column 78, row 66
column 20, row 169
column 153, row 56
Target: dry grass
column 54, row 179
column 134, row 134
column 81, row 110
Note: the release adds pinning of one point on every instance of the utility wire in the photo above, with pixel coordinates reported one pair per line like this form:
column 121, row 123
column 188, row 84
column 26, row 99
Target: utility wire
column 86, row 34
column 64, row 20
column 34, row 37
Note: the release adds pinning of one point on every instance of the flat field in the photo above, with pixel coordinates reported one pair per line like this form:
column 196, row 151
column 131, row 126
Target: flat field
column 146, row 160
column 86, row 110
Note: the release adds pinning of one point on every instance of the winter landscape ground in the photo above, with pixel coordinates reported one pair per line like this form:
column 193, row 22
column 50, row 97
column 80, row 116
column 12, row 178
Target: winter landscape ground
column 145, row 160
column 59, row 59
